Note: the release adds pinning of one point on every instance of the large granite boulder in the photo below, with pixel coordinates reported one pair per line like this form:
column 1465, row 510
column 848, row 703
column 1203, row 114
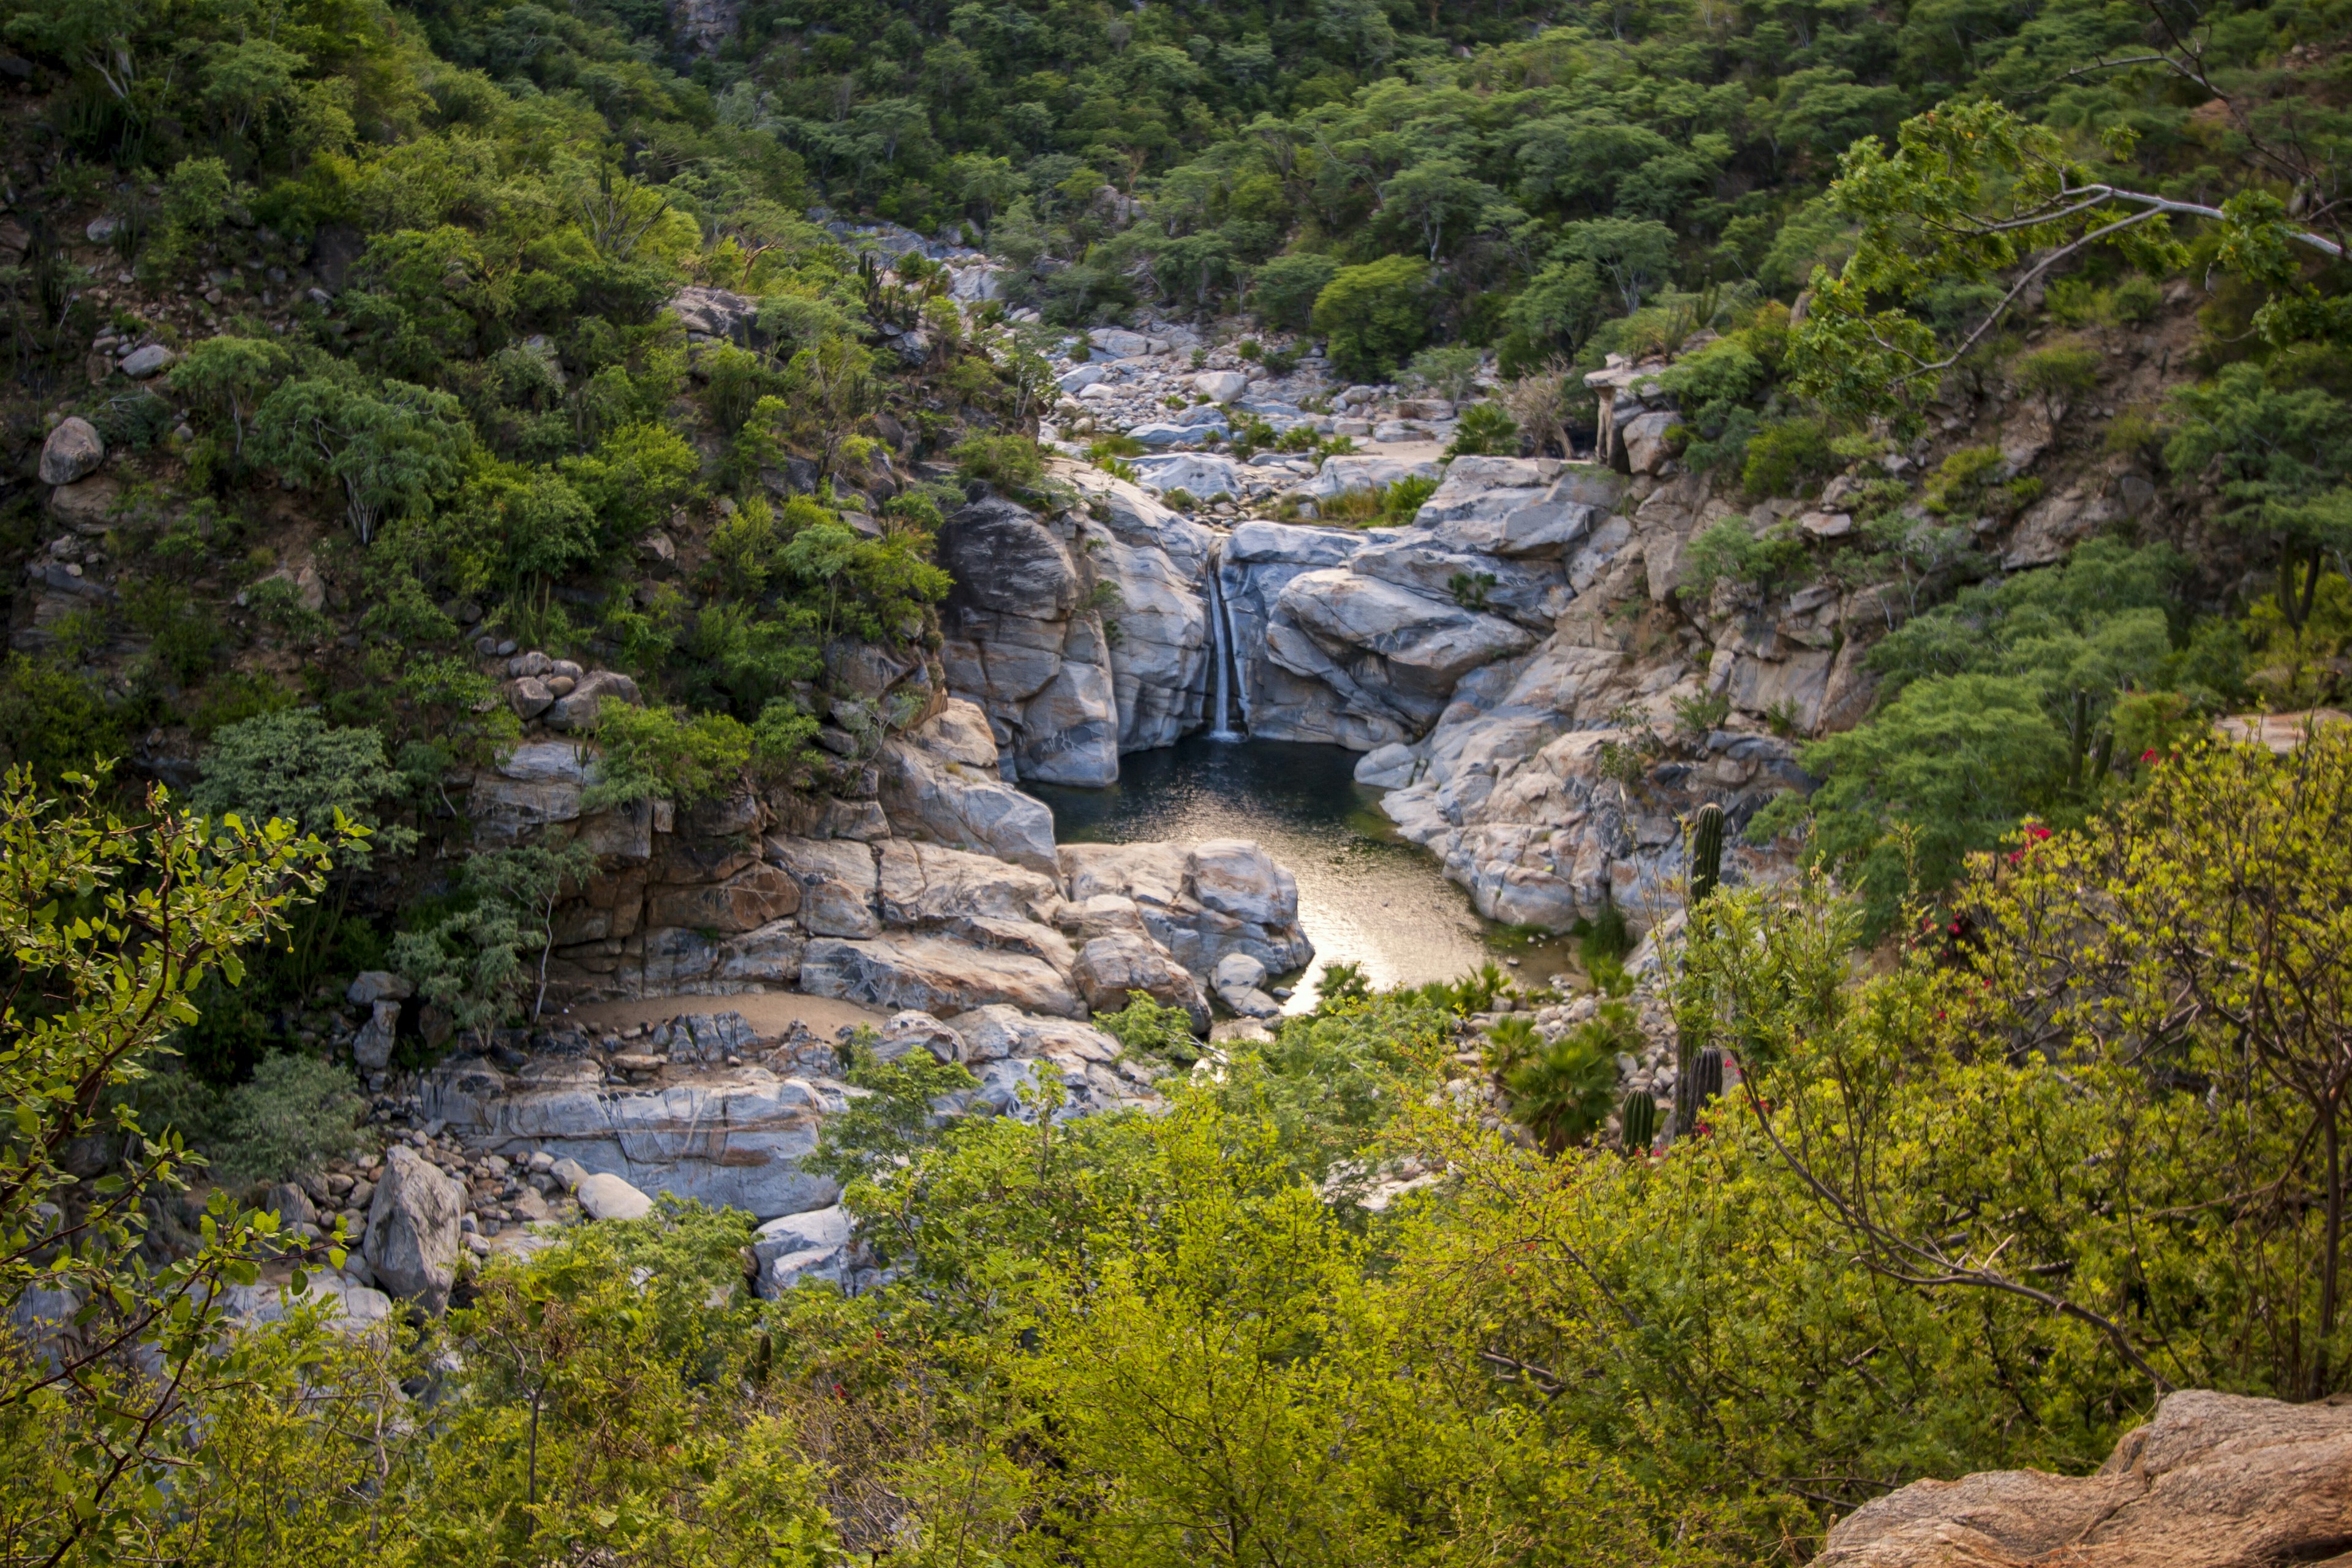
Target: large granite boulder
column 1112, row 966
column 1387, row 651
column 1024, row 639
column 1158, row 564
column 929, row 885
column 754, row 897
column 1259, row 560
column 1515, row 789
column 1338, row 475
column 73, row 451
column 1200, row 902
column 2215, row 1480
column 1012, row 1053
column 836, row 878
column 1518, row 506
column 940, row 783
column 814, row 1247
column 1531, row 592
column 603, row 1196
column 412, row 1229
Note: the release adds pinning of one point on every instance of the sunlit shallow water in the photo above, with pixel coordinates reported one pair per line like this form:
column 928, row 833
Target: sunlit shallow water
column 1365, row 896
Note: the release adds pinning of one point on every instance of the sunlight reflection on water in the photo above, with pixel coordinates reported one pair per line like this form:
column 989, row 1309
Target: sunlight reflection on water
column 1365, row 895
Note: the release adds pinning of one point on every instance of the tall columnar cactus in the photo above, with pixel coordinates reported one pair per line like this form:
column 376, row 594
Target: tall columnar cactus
column 1697, row 1084
column 1706, row 1078
column 1637, row 1121
column 1707, row 853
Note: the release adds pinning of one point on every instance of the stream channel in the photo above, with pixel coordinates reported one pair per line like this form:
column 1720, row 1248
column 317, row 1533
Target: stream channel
column 1365, row 895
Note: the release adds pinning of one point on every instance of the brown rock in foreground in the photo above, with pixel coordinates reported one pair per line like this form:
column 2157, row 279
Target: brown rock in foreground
column 2213, row 1481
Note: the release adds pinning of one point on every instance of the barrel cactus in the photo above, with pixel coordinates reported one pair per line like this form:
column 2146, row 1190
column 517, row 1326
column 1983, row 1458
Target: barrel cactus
column 1706, row 852
column 1638, row 1122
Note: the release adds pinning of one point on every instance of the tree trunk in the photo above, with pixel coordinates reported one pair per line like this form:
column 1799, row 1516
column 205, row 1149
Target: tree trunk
column 2330, row 1248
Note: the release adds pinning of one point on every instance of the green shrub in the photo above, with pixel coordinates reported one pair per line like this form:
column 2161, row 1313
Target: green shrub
column 1450, row 372
column 1564, row 1092
column 1946, row 769
column 657, row 752
column 1785, row 455
column 290, row 763
column 54, row 720
column 1007, row 462
column 2136, row 301
column 296, row 1114
column 1730, row 549
column 2058, row 374
column 1486, row 430
column 1146, row 1026
column 1286, row 289
column 1969, row 482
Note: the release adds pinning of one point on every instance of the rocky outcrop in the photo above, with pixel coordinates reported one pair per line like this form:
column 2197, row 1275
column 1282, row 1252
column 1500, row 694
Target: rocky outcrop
column 941, row 975
column 2214, row 1480
column 941, row 783
column 1155, row 564
column 1358, row 637
column 1025, row 640
column 1543, row 793
column 1082, row 635
column 1200, row 902
column 704, row 1109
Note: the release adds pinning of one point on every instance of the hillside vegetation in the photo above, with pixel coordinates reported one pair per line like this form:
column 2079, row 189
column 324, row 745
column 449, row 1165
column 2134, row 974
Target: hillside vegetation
column 371, row 310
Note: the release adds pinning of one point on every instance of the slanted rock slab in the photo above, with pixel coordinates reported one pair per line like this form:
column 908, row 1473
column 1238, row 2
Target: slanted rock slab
column 2215, row 1480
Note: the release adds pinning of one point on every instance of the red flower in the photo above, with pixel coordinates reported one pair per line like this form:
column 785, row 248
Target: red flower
column 2151, row 754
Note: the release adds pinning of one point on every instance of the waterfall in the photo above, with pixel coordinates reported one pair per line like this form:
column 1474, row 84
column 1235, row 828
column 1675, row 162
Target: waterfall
column 1221, row 637
column 1232, row 650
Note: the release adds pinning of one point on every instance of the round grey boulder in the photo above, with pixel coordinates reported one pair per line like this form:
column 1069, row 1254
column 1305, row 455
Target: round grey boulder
column 73, row 451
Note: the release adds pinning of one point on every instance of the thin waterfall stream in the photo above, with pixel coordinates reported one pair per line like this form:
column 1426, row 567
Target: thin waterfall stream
column 1220, row 645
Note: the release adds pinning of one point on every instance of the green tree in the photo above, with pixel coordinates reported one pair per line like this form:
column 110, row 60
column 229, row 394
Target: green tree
column 1973, row 194
column 232, row 373
column 1283, row 290
column 636, row 474
column 292, row 764
column 1636, row 254
column 1946, row 769
column 2283, row 456
column 153, row 907
column 1374, row 314
column 1558, row 308
column 392, row 447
